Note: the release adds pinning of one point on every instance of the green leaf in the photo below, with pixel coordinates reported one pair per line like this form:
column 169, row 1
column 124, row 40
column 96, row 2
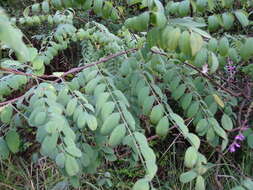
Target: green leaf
column 180, row 122
column 228, row 20
column 129, row 119
column 138, row 23
column 173, row 39
column 61, row 185
column 193, row 109
column 151, row 167
column 13, row 141
column 33, row 52
column 196, row 43
column 141, row 184
column 219, row 131
column 4, row 150
column 81, row 120
column 179, row 92
column 184, row 8
column 224, row 144
column 212, row 45
column 218, row 100
column 148, row 104
column 201, row 58
column 71, row 106
column 91, row 122
column 121, row 97
column 13, row 38
column 226, row 122
column 250, row 140
column 6, row 114
column 142, row 93
column 40, row 118
column 242, row 18
column 102, row 99
column 246, row 50
column 38, row 63
column 184, row 43
column 90, row 107
column 117, row 135
column 201, row 126
column 73, row 150
column 162, row 127
column 97, row 7
column 49, row 144
column 194, row 140
column 107, row 109
column 200, row 183
column 215, row 63
column 92, row 84
column 210, row 135
column 248, row 183
column 110, row 123
column 188, row 176
column 156, row 114
column 160, row 19
column 213, row 23
column 71, row 165
column 75, row 181
column 223, row 46
column 60, row 160
column 238, row 188
column 186, row 100
column 191, row 157
column 85, row 159
column 45, row 7
column 174, row 83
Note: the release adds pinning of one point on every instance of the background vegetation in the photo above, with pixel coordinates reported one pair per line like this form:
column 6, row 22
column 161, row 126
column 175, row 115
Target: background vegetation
column 136, row 94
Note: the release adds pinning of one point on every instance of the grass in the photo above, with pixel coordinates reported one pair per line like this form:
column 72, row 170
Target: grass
column 18, row 174
column 21, row 175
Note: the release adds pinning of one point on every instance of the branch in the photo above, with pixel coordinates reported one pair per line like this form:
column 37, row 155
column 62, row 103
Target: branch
column 26, row 74
column 12, row 100
column 214, row 82
column 105, row 59
column 218, row 183
column 73, row 70
column 204, row 75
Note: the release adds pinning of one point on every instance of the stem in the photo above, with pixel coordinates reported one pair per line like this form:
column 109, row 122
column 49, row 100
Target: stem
column 73, row 70
column 105, row 59
column 204, row 75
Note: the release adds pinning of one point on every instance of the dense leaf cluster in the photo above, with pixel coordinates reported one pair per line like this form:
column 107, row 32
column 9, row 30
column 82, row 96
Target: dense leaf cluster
column 180, row 67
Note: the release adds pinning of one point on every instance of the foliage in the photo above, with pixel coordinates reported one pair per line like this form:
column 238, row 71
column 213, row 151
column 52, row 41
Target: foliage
column 88, row 81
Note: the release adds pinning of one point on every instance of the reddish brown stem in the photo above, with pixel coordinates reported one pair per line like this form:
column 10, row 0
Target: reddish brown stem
column 73, row 70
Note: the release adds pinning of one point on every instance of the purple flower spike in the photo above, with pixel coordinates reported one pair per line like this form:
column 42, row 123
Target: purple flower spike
column 237, row 145
column 239, row 137
column 231, row 148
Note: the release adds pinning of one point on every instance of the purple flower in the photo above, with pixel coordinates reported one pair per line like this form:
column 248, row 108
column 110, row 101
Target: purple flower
column 232, row 148
column 230, row 68
column 237, row 145
column 239, row 137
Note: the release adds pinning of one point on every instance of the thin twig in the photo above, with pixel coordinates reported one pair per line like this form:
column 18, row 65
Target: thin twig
column 204, row 75
column 214, row 82
column 73, row 70
column 105, row 59
column 218, row 183
column 6, row 185
column 12, row 100
column 26, row 74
